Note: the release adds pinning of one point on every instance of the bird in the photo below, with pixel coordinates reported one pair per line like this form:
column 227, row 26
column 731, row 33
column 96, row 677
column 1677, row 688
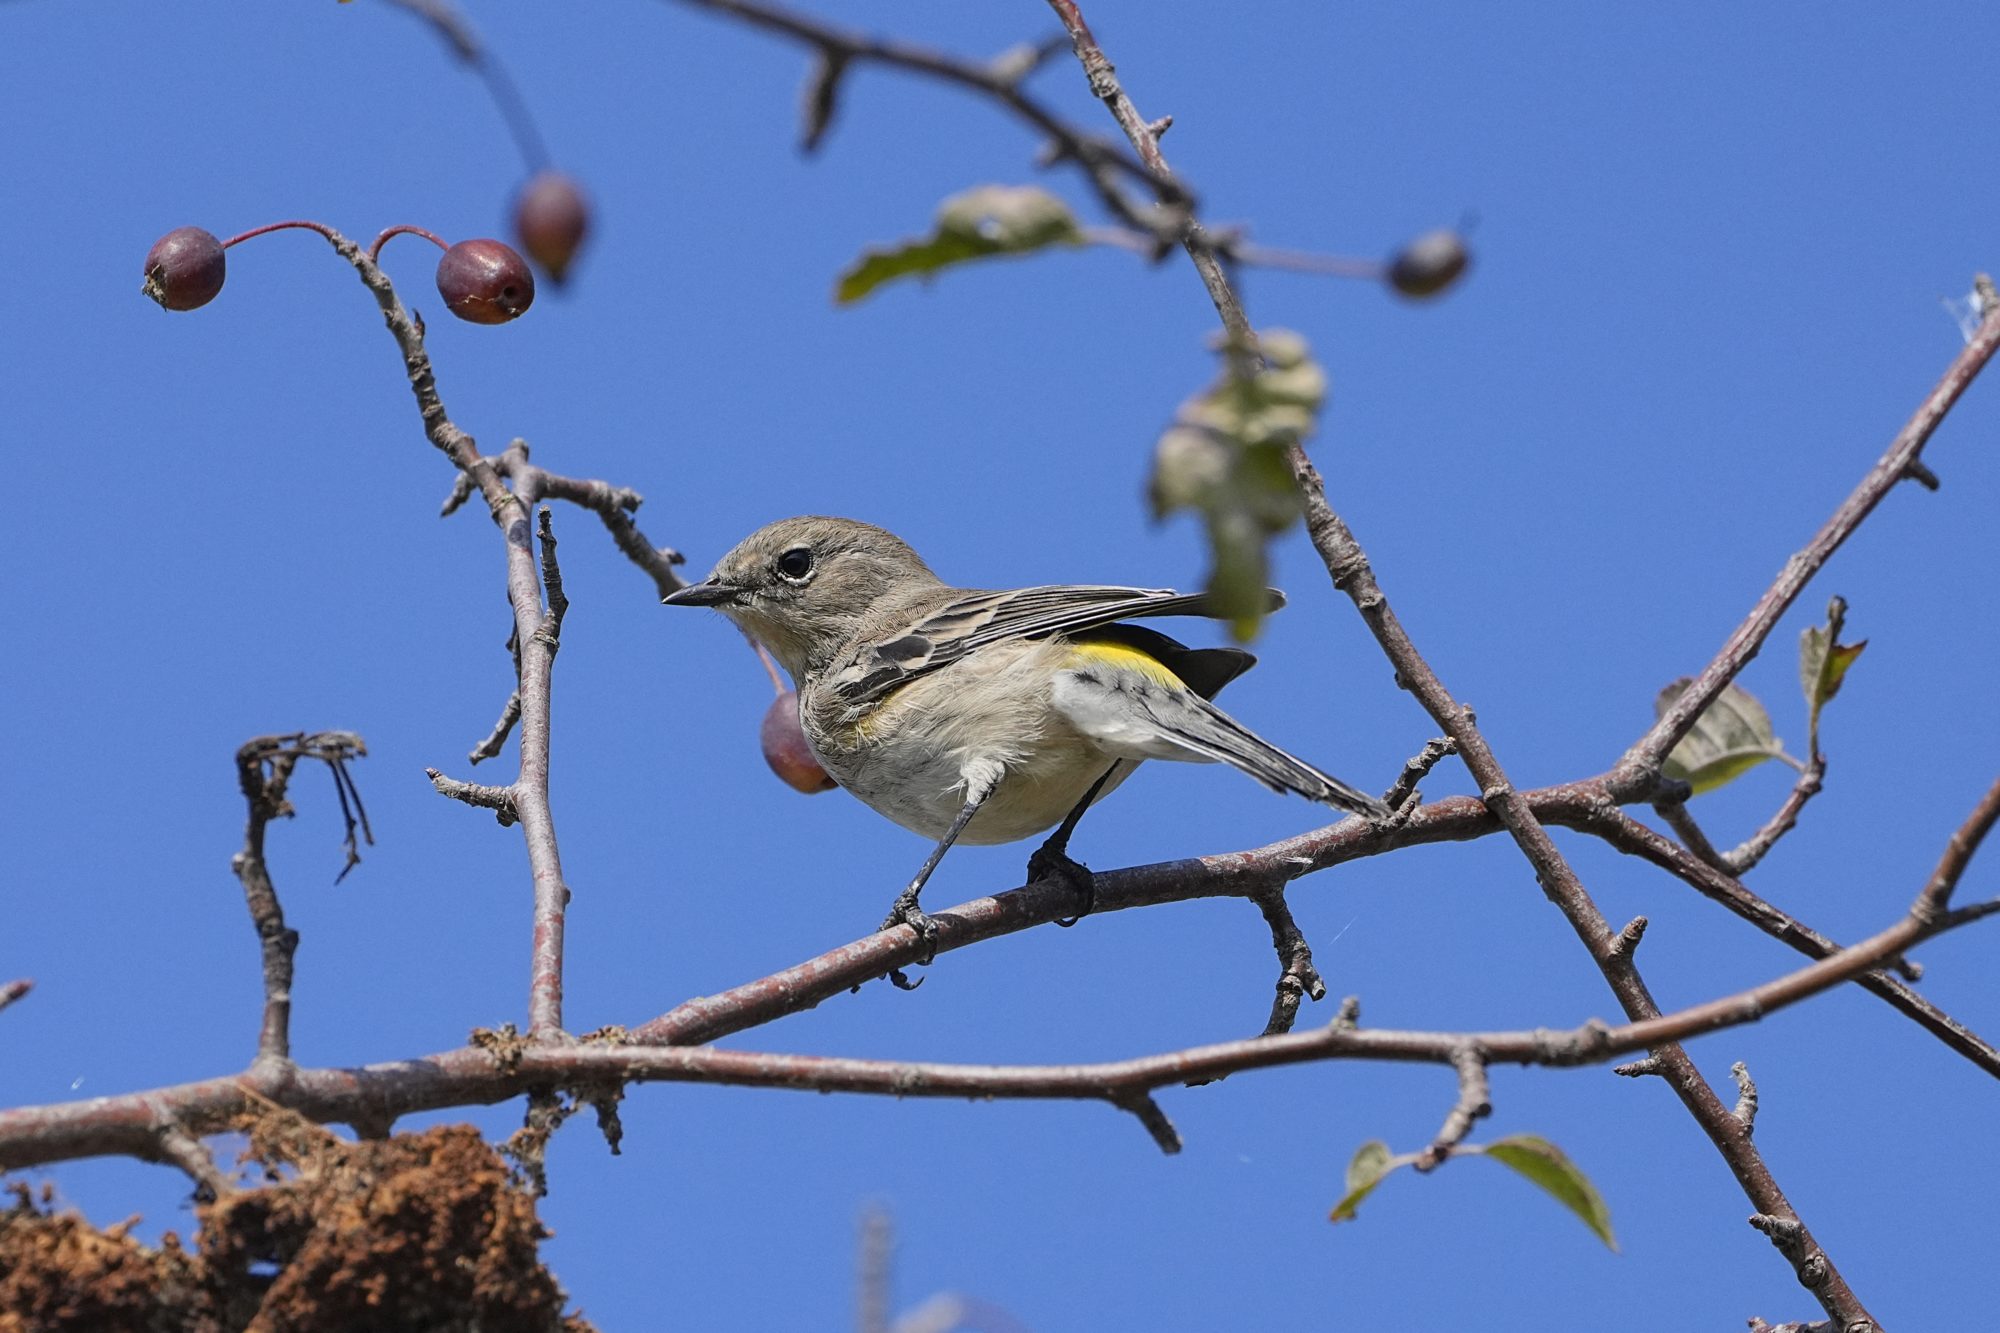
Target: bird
column 985, row 716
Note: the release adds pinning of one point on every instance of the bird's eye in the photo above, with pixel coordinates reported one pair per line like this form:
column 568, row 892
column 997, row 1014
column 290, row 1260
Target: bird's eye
column 796, row 563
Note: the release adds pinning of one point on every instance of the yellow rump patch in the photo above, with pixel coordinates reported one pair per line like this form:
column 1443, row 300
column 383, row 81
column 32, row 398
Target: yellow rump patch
column 1122, row 656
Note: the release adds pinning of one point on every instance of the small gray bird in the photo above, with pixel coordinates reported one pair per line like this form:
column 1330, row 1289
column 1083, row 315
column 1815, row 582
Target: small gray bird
column 984, row 716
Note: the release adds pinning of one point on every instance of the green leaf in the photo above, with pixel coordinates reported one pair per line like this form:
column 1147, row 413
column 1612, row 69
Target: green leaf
column 1731, row 737
column 1546, row 1165
column 982, row 222
column 1225, row 457
column 1823, row 663
column 1372, row 1161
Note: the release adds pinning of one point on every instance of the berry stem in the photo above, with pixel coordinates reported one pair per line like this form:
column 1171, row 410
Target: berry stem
column 319, row 227
column 375, row 249
column 770, row 667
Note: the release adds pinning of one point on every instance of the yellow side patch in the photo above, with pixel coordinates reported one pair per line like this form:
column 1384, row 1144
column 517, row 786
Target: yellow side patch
column 1123, row 657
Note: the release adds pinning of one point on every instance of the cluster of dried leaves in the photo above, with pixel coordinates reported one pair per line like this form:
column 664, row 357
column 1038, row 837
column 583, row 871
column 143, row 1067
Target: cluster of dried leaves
column 428, row 1231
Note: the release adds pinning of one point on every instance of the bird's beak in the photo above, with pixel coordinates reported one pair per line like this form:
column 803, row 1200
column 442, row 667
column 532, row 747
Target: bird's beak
column 706, row 593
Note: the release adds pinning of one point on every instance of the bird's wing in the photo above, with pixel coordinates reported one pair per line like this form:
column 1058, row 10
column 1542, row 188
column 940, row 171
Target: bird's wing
column 973, row 620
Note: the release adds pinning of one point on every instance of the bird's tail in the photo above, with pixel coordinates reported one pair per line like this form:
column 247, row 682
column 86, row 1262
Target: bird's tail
column 1207, row 730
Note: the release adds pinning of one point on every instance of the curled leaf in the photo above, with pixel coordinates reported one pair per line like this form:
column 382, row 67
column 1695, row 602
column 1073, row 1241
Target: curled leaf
column 982, row 222
column 1730, row 737
column 1823, row 663
column 1224, row 456
column 1548, row 1166
column 1372, row 1161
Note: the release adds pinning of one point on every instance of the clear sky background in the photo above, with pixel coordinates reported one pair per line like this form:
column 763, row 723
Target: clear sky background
column 1711, row 246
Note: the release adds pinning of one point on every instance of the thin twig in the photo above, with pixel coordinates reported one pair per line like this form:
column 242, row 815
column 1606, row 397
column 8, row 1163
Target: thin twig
column 1416, row 769
column 496, row 740
column 1635, row 839
column 264, row 768
column 613, row 505
column 1475, row 1103
column 1958, row 852
column 1639, row 768
column 531, row 798
column 458, row 34
column 1297, row 977
column 500, row 800
column 1748, row 853
column 1103, row 164
column 1746, row 1097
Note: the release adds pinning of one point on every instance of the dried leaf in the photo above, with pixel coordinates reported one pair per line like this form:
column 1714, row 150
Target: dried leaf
column 1823, row 662
column 1547, row 1165
column 982, row 222
column 1225, row 457
column 1730, row 737
column 1372, row 1161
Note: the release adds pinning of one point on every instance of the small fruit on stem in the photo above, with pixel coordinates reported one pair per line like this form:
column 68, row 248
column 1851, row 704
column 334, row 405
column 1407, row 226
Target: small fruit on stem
column 785, row 748
column 485, row 282
column 1429, row 264
column 184, row 269
column 550, row 219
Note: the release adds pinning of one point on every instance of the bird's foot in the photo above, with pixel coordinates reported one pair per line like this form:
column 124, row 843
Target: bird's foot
column 905, row 912
column 1053, row 862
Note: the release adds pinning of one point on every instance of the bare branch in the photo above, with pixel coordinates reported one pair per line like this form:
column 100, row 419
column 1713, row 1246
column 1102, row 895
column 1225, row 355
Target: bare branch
column 457, row 32
column 1297, row 977
column 1475, row 1103
column 1746, row 1097
column 1639, row 767
column 1958, row 853
column 1103, row 165
column 613, row 505
column 1635, row 839
column 264, row 768
column 1417, row 769
column 1153, row 1118
column 490, row 1072
column 500, row 800
column 496, row 739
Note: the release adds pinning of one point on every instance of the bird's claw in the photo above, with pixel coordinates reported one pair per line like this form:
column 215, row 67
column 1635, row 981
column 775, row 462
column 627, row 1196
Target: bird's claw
column 1051, row 862
column 907, row 913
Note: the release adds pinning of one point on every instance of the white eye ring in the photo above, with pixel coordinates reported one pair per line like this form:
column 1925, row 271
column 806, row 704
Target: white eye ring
column 796, row 565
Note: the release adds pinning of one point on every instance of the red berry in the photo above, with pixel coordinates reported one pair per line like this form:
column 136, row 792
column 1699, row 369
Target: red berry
column 550, row 219
column 1429, row 264
column 485, row 282
column 184, row 269
column 785, row 748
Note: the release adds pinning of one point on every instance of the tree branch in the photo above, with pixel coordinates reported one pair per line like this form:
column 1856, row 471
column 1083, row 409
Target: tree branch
column 377, row 1094
column 1639, row 768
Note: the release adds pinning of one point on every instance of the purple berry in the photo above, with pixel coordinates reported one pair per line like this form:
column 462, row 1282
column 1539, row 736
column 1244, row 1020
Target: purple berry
column 786, row 750
column 184, row 269
column 485, row 282
column 1429, row 264
column 550, row 219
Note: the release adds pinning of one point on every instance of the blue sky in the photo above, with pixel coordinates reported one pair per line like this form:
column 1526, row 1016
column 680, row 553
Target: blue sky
column 1711, row 247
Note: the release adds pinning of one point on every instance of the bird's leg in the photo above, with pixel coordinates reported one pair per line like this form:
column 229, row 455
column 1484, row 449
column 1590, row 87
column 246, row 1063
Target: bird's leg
column 1053, row 861
column 905, row 912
